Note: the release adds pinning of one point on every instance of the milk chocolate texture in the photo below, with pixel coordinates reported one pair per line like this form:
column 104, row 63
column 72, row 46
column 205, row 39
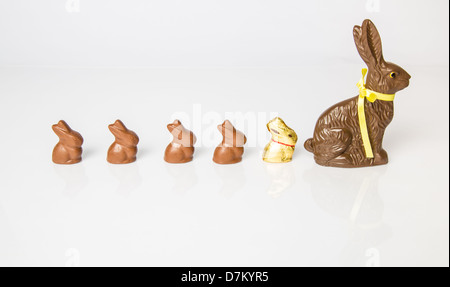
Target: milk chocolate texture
column 337, row 139
column 231, row 150
column 124, row 148
column 181, row 149
column 68, row 150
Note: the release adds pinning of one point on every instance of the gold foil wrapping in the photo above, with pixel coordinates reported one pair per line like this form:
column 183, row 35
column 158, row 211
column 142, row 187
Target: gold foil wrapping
column 282, row 145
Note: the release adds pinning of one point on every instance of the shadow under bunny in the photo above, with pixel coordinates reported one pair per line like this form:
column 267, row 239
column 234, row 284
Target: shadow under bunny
column 74, row 176
column 353, row 196
column 128, row 177
column 184, row 177
column 233, row 178
column 282, row 178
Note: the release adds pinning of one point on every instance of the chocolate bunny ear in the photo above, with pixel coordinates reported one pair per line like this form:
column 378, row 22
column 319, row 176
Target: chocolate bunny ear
column 368, row 42
column 374, row 40
column 118, row 124
column 176, row 125
column 171, row 127
column 61, row 128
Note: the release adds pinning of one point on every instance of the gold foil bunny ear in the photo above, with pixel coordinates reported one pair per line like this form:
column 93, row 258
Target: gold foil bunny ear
column 282, row 145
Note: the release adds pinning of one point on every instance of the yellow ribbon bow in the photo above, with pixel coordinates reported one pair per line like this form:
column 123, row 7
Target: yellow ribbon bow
column 371, row 96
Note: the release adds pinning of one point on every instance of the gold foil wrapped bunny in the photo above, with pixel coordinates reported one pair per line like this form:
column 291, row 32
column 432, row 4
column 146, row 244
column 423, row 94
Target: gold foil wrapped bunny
column 282, row 145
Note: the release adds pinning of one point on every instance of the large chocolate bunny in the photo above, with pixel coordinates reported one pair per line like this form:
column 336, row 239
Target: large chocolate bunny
column 350, row 133
column 124, row 148
column 181, row 149
column 231, row 149
column 68, row 150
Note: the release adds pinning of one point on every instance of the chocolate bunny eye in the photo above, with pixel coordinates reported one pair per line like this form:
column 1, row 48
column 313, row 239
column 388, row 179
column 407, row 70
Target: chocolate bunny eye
column 393, row 75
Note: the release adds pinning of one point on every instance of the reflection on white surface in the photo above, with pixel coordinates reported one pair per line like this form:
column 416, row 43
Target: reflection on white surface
column 232, row 178
column 183, row 176
column 385, row 216
column 128, row 177
column 353, row 195
column 74, row 176
column 282, row 177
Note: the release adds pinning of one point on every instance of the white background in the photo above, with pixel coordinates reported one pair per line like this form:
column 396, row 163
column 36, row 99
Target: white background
column 146, row 61
column 215, row 33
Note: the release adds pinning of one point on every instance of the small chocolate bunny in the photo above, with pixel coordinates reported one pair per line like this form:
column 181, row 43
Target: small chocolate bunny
column 68, row 150
column 231, row 149
column 181, row 149
column 282, row 145
column 124, row 148
column 350, row 133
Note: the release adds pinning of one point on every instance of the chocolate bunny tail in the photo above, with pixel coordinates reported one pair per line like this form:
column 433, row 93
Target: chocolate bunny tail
column 309, row 145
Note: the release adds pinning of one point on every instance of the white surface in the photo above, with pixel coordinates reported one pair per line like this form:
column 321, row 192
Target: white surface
column 152, row 213
column 253, row 214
